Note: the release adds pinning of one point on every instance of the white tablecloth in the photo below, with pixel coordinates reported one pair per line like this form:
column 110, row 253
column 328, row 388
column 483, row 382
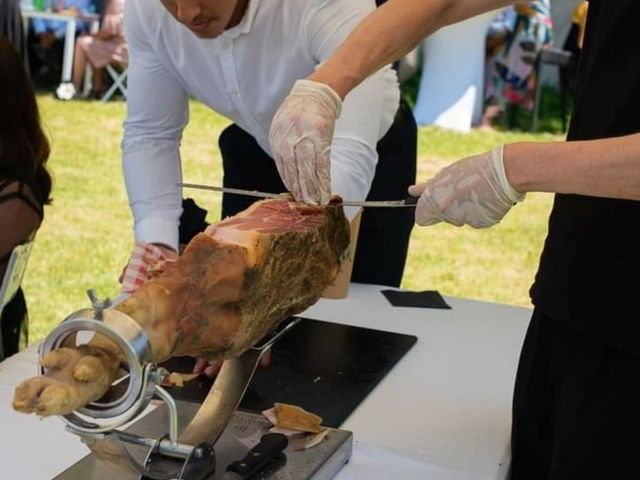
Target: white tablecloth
column 443, row 412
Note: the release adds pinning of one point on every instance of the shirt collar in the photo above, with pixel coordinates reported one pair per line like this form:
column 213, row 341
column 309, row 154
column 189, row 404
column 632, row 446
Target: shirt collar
column 245, row 24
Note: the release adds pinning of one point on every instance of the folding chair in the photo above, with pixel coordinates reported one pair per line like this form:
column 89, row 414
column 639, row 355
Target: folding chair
column 119, row 77
column 12, row 280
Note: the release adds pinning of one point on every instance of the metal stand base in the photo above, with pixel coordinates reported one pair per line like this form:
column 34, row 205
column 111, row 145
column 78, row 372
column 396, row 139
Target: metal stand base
column 321, row 462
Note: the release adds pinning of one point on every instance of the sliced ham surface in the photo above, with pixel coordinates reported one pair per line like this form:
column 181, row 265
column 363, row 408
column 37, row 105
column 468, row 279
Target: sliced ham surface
column 274, row 216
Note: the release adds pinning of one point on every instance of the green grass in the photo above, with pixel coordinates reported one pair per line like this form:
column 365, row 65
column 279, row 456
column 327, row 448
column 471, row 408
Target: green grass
column 86, row 236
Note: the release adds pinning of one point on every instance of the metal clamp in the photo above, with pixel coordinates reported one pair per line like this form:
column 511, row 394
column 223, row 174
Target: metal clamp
column 97, row 304
column 133, row 391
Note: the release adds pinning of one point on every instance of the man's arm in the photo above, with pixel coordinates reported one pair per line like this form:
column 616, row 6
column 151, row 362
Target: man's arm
column 357, row 131
column 599, row 168
column 390, row 32
column 157, row 111
column 302, row 129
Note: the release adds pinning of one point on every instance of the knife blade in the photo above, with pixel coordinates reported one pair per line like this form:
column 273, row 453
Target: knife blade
column 407, row 202
column 269, row 447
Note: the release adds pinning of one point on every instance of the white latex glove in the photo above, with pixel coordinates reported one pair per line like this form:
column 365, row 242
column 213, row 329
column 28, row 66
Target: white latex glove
column 300, row 137
column 473, row 191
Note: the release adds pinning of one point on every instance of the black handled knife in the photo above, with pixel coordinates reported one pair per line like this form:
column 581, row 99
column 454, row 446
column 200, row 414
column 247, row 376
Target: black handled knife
column 270, row 446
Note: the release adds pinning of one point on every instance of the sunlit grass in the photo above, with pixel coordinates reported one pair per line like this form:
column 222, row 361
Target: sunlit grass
column 86, row 237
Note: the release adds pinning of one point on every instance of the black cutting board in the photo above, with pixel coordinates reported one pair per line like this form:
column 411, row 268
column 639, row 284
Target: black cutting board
column 324, row 367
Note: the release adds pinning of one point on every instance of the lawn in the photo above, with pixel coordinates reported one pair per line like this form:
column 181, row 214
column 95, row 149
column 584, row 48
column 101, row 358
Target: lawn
column 86, row 236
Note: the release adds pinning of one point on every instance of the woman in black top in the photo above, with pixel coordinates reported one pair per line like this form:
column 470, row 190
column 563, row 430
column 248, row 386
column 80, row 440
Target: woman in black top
column 25, row 183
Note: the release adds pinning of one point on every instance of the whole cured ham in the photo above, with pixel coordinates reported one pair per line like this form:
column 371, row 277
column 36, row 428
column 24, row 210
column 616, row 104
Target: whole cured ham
column 232, row 285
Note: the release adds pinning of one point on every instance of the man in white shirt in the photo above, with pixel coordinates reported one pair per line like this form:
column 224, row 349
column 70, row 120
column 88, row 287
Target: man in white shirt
column 241, row 58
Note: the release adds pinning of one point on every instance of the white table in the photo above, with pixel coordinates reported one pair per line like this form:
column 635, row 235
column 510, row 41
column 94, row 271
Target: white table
column 442, row 413
column 69, row 36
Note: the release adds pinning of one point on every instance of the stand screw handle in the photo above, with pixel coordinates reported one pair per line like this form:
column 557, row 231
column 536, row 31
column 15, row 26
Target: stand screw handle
column 97, row 304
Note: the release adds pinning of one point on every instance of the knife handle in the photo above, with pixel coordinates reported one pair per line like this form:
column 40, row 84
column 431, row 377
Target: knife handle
column 271, row 444
column 411, row 201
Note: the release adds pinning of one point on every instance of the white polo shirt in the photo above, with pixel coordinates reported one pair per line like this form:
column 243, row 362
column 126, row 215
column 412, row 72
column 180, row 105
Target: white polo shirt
column 244, row 74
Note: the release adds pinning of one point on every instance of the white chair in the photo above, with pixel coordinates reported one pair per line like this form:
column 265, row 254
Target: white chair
column 12, row 280
column 119, row 78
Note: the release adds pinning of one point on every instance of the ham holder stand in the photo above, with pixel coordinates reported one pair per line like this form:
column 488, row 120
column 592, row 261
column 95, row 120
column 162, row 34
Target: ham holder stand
column 161, row 450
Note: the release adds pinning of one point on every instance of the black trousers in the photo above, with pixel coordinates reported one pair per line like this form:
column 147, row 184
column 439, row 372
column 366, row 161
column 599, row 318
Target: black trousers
column 383, row 240
column 576, row 407
column 14, row 323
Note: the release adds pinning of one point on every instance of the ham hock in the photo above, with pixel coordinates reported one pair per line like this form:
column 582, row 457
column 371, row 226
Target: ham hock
column 232, row 285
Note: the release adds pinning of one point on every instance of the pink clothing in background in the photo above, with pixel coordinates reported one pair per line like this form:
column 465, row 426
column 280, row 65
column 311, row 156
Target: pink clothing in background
column 102, row 51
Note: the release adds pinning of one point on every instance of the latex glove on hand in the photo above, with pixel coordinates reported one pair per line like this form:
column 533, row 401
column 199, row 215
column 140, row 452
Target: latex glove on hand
column 473, row 191
column 300, row 137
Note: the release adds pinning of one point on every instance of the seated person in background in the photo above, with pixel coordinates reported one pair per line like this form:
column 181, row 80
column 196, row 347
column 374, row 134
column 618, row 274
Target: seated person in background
column 101, row 49
column 49, row 33
column 512, row 69
column 499, row 32
column 25, row 183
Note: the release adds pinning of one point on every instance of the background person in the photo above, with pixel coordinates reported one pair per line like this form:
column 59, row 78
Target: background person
column 513, row 65
column 99, row 50
column 48, row 35
column 573, row 43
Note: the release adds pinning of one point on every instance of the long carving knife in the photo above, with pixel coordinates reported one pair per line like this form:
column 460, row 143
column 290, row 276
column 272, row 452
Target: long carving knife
column 407, row 202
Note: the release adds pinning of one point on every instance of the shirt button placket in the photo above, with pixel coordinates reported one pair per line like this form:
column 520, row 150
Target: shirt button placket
column 229, row 65
column 233, row 86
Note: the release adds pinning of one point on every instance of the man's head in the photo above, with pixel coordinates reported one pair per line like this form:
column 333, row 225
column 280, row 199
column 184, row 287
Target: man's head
column 207, row 18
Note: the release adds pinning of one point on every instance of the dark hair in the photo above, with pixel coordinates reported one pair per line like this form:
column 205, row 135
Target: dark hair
column 24, row 148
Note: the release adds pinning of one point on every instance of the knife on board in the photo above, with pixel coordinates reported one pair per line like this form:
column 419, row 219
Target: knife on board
column 270, row 446
column 407, row 202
